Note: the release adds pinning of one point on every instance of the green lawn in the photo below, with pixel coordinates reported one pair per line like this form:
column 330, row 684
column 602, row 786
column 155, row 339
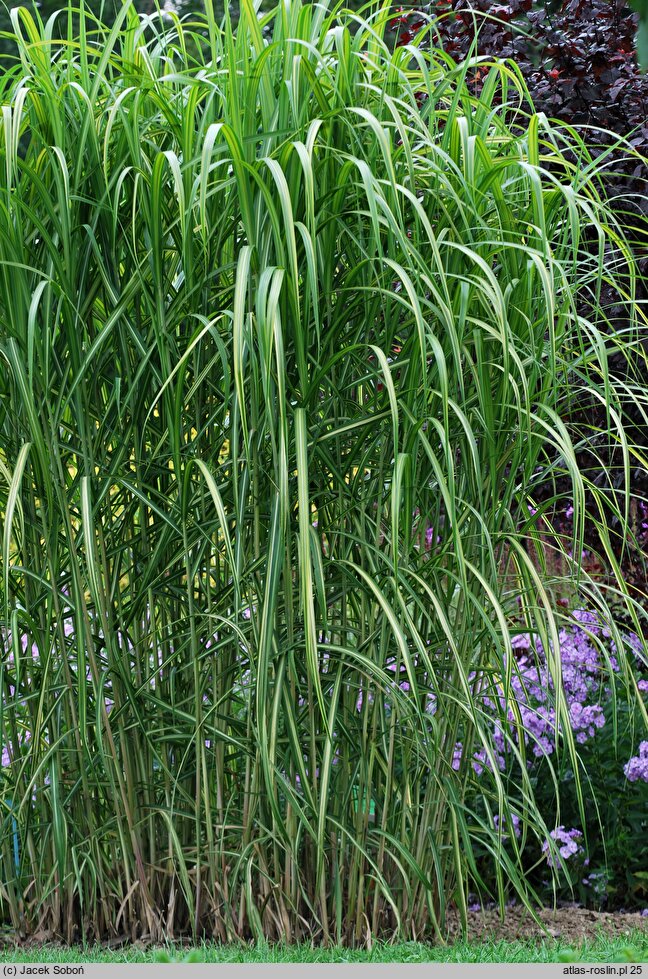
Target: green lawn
column 631, row 948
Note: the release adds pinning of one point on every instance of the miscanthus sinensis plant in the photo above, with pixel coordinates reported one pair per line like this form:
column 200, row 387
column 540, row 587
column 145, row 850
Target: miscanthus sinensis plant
column 290, row 329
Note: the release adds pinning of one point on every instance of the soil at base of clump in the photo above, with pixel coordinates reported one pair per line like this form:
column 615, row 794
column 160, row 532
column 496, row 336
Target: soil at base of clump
column 571, row 924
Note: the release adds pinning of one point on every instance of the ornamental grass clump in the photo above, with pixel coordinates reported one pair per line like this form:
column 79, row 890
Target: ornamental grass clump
column 291, row 325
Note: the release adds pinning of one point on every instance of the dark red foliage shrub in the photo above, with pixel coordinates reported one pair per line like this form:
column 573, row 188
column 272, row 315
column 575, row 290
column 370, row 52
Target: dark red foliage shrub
column 577, row 58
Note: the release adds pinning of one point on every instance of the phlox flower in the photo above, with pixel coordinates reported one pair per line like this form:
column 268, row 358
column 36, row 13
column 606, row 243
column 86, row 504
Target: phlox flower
column 570, row 844
column 636, row 769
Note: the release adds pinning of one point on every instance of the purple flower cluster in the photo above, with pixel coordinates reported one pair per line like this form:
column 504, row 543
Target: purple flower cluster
column 7, row 756
column 643, row 516
column 480, row 759
column 585, row 720
column 25, row 644
column 637, row 768
column 530, row 700
column 582, row 668
column 569, row 840
column 597, row 882
column 515, row 823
